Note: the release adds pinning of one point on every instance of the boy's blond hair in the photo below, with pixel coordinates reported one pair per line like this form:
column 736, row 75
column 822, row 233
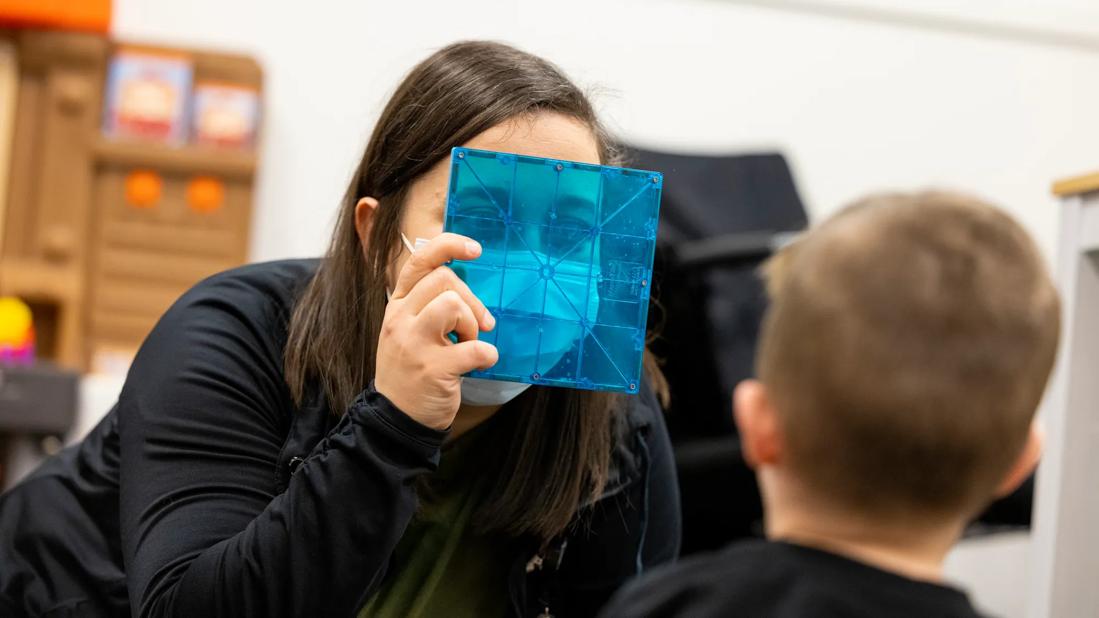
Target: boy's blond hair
column 907, row 346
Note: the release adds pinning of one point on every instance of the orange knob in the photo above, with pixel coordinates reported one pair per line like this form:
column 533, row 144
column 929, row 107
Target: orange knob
column 205, row 194
column 143, row 188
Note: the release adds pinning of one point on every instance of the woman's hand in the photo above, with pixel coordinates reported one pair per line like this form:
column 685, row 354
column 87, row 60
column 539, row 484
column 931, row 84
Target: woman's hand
column 418, row 367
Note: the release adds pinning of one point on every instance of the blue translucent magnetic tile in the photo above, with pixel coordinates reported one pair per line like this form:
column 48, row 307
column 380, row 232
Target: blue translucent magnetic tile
column 566, row 265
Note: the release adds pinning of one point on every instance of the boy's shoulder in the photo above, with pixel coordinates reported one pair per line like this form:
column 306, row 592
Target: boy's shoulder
column 731, row 582
column 765, row 579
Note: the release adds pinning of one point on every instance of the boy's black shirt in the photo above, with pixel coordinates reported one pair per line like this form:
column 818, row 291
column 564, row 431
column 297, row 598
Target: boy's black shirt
column 767, row 579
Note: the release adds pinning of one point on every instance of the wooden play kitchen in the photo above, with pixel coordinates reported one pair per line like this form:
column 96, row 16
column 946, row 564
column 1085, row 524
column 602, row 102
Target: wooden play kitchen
column 130, row 172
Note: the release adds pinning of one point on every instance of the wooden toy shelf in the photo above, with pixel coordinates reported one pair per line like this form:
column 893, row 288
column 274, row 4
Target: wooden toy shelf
column 179, row 159
column 100, row 234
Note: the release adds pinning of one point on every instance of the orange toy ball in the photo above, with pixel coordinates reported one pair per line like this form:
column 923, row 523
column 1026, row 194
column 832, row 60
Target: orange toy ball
column 205, row 194
column 143, row 189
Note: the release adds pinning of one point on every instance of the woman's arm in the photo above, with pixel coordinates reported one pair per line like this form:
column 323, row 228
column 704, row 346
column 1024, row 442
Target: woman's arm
column 203, row 417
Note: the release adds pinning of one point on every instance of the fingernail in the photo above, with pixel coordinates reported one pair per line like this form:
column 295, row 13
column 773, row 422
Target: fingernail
column 490, row 322
column 473, row 247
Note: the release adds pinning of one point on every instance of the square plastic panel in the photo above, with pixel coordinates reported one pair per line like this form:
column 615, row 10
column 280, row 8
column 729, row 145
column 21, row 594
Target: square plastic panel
column 566, row 264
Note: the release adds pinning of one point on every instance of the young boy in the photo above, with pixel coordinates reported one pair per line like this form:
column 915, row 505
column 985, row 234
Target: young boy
column 906, row 348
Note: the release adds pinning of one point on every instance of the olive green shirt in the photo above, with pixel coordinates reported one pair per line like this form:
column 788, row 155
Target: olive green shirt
column 442, row 566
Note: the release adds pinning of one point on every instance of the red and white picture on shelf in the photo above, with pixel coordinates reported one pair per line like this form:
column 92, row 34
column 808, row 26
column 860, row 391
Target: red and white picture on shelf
column 225, row 115
column 147, row 96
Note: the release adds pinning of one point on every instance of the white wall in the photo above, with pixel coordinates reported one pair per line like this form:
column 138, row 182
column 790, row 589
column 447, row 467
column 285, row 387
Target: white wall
column 856, row 105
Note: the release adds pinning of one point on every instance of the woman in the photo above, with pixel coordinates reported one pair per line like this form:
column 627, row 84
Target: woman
column 281, row 446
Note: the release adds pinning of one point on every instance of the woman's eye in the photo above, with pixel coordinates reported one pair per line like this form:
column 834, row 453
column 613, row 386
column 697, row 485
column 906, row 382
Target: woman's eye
column 483, row 225
column 572, row 222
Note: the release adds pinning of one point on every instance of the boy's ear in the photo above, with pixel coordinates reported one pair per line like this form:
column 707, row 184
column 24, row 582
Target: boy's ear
column 758, row 424
column 1026, row 461
column 365, row 210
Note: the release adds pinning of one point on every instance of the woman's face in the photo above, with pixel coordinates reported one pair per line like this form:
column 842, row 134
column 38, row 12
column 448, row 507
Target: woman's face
column 547, row 134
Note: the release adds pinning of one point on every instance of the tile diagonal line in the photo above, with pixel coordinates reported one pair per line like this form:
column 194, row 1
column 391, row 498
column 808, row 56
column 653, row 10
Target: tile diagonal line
column 628, row 202
column 584, row 237
column 533, row 253
column 608, row 355
column 503, row 215
column 568, row 300
column 522, row 294
column 481, row 183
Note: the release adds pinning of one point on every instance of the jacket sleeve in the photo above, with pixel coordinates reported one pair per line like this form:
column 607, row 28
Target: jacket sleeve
column 203, row 417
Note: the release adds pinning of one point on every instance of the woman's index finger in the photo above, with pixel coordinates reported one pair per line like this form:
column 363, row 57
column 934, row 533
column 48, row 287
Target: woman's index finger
column 438, row 251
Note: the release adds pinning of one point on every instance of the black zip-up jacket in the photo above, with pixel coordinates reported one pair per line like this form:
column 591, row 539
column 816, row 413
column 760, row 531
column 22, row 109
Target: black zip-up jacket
column 207, row 492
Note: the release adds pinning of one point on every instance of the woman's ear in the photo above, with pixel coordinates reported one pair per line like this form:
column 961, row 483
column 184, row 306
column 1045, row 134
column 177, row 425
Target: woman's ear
column 1026, row 462
column 757, row 422
column 365, row 209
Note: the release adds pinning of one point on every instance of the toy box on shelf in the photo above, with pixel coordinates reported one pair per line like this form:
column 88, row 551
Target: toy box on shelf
column 147, row 96
column 225, row 115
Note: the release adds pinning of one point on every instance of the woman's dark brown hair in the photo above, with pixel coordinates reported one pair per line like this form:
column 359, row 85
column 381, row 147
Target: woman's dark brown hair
column 559, row 449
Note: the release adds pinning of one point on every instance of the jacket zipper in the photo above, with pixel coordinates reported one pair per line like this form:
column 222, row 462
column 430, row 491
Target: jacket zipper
column 535, row 564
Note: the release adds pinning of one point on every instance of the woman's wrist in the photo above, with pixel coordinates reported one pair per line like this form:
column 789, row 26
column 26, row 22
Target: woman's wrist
column 390, row 413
